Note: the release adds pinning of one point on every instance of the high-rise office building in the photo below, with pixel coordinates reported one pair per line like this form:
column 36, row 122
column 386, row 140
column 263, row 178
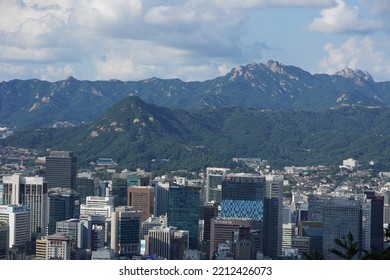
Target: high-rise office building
column 243, row 197
column 142, row 199
column 161, row 198
column 31, row 192
column 286, row 214
column 167, row 243
column 73, row 229
column 63, row 205
column 18, row 220
column 183, row 211
column 207, row 212
column 214, row 178
column 288, row 234
column 376, row 225
column 96, row 232
column 138, row 178
column 340, row 217
column 85, row 186
column 151, row 223
column 100, row 200
column 316, row 206
column 314, row 230
column 61, row 170
column 272, row 222
column 222, row 229
column 302, row 243
column 96, row 205
column 302, row 213
column 4, row 240
column 119, row 189
column 121, row 181
column 99, row 206
column 240, row 244
column 126, row 231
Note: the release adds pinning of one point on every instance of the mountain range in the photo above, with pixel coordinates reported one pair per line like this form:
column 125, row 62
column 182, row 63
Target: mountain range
column 137, row 134
column 269, row 111
column 34, row 103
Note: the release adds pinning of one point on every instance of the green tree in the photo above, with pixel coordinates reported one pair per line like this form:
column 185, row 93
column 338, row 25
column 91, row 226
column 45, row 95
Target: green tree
column 314, row 255
column 380, row 255
column 349, row 247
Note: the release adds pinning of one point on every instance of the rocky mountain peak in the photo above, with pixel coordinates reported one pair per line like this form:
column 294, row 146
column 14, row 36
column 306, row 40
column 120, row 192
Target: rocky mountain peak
column 275, row 66
column 349, row 73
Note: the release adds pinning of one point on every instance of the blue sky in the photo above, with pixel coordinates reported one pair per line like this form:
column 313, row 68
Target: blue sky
column 189, row 39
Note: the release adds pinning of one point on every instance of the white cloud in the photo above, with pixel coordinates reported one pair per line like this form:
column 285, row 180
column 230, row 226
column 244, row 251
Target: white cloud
column 379, row 6
column 135, row 39
column 343, row 19
column 17, row 54
column 7, row 69
column 356, row 54
column 140, row 60
column 119, row 66
column 223, row 69
column 54, row 73
column 101, row 15
column 247, row 4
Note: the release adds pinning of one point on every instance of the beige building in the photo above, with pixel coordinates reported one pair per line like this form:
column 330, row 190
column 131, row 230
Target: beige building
column 141, row 199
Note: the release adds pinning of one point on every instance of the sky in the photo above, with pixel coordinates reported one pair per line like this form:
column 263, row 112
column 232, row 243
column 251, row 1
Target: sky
column 192, row 40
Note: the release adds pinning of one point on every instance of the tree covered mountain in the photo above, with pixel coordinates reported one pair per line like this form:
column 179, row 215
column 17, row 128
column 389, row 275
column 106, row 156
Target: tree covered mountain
column 139, row 134
column 34, row 103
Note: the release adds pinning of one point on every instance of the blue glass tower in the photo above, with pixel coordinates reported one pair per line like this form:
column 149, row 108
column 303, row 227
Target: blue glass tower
column 183, row 211
column 243, row 197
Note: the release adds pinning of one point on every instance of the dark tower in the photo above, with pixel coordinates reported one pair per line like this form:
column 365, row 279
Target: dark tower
column 183, row 211
column 376, row 231
column 61, row 168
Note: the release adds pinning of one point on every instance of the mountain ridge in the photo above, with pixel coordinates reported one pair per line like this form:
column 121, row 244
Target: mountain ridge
column 138, row 134
column 271, row 85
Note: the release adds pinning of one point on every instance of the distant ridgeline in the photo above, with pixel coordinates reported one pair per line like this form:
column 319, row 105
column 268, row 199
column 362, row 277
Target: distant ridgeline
column 34, row 103
column 135, row 134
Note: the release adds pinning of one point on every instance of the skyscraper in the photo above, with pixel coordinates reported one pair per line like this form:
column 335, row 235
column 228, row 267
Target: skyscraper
column 61, row 168
column 161, row 198
column 376, row 227
column 167, row 242
column 63, row 205
column 121, row 181
column 314, row 230
column 243, row 197
column 4, row 240
column 183, row 211
column 153, row 222
column 142, row 199
column 72, row 228
column 240, row 244
column 31, row 192
column 18, row 220
column 222, row 230
column 97, row 205
column 214, row 178
column 273, row 216
column 207, row 212
column 119, row 189
column 85, row 186
column 126, row 231
column 341, row 217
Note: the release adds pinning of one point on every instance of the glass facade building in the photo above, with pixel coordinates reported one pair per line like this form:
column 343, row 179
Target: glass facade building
column 243, row 197
column 183, row 211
